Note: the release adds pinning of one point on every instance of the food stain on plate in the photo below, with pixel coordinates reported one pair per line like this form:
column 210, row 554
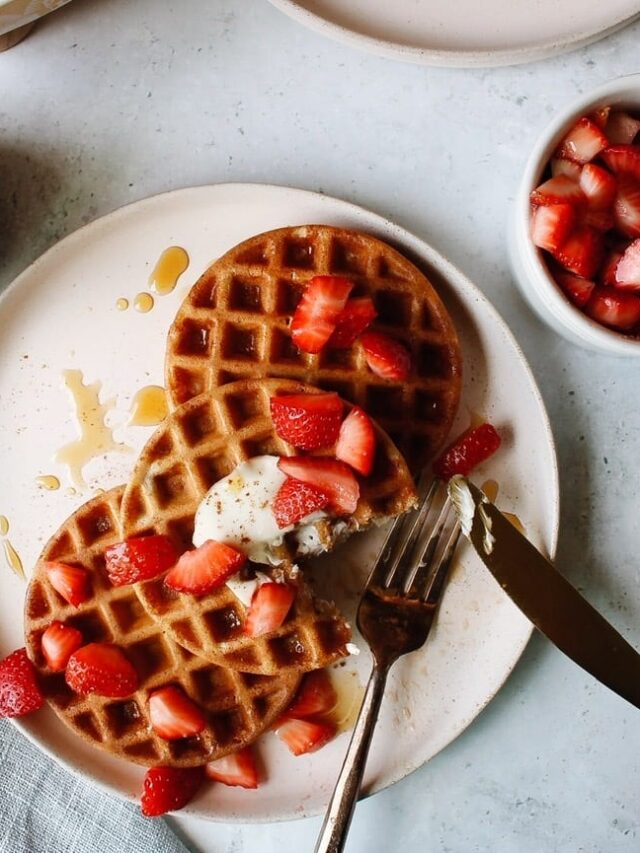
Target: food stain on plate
column 49, row 482
column 95, row 438
column 122, row 303
column 11, row 556
column 168, row 269
column 149, row 406
column 143, row 303
column 350, row 693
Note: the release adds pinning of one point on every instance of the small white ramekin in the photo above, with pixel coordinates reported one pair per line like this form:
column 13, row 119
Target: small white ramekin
column 531, row 274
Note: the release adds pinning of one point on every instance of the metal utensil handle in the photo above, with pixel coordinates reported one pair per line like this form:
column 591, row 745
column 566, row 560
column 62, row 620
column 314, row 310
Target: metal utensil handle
column 343, row 802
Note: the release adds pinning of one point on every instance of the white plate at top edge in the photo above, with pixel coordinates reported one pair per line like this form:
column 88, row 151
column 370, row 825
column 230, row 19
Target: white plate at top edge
column 462, row 34
column 433, row 694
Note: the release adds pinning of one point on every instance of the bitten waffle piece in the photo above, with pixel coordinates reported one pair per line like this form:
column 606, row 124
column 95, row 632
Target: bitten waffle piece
column 237, row 707
column 198, row 444
column 235, row 321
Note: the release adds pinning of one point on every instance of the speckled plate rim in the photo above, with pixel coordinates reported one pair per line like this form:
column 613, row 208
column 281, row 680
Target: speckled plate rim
column 471, row 296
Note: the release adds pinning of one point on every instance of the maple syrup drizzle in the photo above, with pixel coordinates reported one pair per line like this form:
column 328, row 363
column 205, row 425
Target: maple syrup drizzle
column 168, row 269
column 143, row 302
column 11, row 556
column 95, row 438
column 49, row 482
column 149, row 406
column 515, row 520
column 122, row 304
column 350, row 695
column 4, row 525
column 491, row 489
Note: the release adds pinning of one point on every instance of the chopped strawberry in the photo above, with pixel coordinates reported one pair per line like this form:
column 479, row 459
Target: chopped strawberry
column 626, row 209
column 205, row 568
column 468, row 450
column 386, row 356
column 71, row 582
column 19, row 691
column 316, row 696
column 561, row 166
column 551, row 224
column 601, row 220
column 268, row 609
column 622, row 128
column 627, row 272
column 101, row 668
column 59, row 642
column 598, row 185
column 302, row 736
column 318, row 311
column 584, row 141
column 354, row 318
column 333, row 477
column 600, row 116
column 139, row 559
column 558, row 190
column 296, row 500
column 173, row 714
column 582, row 252
column 308, row 421
column 357, row 441
column 623, row 159
column 167, row 789
column 614, row 308
column 238, row 769
column 577, row 289
column 607, row 275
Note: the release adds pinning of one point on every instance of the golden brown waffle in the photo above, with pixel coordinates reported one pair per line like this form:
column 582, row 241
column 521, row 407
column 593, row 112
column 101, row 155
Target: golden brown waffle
column 234, row 324
column 198, row 444
column 238, row 706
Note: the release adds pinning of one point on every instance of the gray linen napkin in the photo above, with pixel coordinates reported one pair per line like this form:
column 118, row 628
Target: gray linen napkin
column 45, row 809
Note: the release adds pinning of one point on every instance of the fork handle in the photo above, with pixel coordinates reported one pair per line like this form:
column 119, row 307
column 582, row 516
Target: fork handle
column 343, row 802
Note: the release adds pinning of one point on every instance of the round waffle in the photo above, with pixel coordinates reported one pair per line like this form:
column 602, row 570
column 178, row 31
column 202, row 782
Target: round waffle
column 234, row 324
column 198, row 444
column 238, row 706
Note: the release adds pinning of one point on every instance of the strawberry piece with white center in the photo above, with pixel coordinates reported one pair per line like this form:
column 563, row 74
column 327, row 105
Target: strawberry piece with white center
column 627, row 273
column 598, row 185
column 167, row 789
column 577, row 289
column 317, row 313
column 614, row 308
column 355, row 317
column 558, row 190
column 607, row 275
column 621, row 128
column 269, row 607
column 582, row 252
column 357, row 441
column 58, row 643
column 331, row 476
column 19, row 691
column 386, row 356
column 174, row 715
column 238, row 769
column 139, row 559
column 316, row 696
column 205, row 568
column 71, row 582
column 562, row 166
column 623, row 159
column 584, row 141
column 626, row 209
column 296, row 500
column 307, row 421
column 101, row 668
column 303, row 736
column 551, row 225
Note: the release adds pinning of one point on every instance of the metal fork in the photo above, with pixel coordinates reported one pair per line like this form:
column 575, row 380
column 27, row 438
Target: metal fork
column 395, row 615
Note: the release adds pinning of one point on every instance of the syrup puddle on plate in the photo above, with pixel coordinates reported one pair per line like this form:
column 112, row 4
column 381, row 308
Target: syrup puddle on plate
column 168, row 269
column 491, row 489
column 143, row 303
column 149, row 406
column 122, row 303
column 49, row 482
column 350, row 695
column 11, row 556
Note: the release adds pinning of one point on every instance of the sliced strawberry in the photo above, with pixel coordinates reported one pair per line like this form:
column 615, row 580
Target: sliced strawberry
column 357, row 441
column 386, row 356
column 101, row 668
column 354, row 318
column 622, row 128
column 558, row 190
column 334, row 478
column 584, row 141
column 302, row 736
column 308, row 421
column 577, row 289
column 174, row 715
column 598, row 185
column 551, row 224
column 614, row 308
column 238, row 769
column 205, row 568
column 582, row 252
column 71, row 582
column 19, row 691
column 601, row 220
column 561, row 166
column 600, row 116
column 59, row 642
column 623, row 159
column 316, row 696
column 468, row 450
column 626, row 209
column 317, row 313
column 296, row 500
column 167, row 789
column 139, row 559
column 627, row 272
column 268, row 609
column 608, row 269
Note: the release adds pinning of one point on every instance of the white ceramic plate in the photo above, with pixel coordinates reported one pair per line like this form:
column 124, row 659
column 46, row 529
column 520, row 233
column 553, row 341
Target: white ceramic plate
column 61, row 314
column 463, row 33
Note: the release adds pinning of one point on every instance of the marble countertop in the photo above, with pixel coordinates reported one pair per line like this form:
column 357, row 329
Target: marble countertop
column 109, row 102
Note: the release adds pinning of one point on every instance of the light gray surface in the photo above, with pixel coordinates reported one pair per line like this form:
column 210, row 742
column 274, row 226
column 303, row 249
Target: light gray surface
column 108, row 102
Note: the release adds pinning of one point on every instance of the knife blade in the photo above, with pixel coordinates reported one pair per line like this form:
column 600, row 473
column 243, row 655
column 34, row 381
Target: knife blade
column 545, row 597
